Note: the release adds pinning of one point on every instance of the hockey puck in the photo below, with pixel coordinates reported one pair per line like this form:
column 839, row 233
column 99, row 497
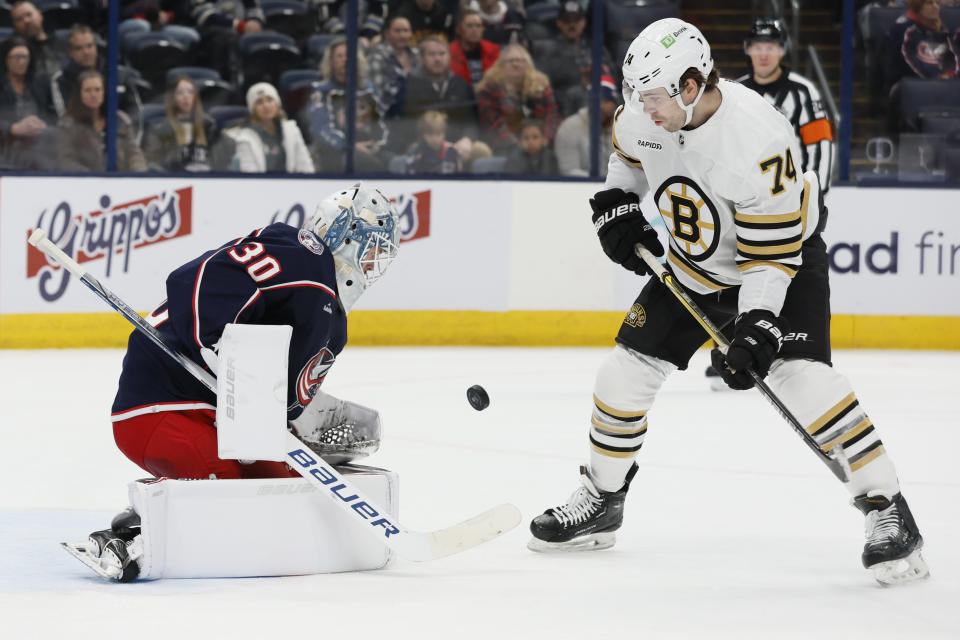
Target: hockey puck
column 478, row 398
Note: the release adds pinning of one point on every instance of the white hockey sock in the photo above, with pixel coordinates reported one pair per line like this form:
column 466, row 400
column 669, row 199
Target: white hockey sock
column 824, row 403
column 624, row 390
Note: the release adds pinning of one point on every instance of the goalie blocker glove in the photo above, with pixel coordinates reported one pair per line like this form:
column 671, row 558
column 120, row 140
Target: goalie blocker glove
column 757, row 338
column 620, row 225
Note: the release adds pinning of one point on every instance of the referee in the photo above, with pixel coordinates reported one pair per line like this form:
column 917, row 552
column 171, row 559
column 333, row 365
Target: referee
column 792, row 94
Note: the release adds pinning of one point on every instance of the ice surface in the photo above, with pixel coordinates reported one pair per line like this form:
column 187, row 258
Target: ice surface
column 733, row 529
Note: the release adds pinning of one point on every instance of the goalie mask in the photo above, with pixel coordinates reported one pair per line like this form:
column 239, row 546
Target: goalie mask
column 659, row 56
column 359, row 226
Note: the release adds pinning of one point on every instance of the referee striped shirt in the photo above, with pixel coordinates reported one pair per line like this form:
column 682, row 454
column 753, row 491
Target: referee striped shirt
column 798, row 99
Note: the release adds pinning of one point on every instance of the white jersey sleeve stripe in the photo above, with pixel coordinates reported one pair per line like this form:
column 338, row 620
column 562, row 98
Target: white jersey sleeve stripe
column 158, row 408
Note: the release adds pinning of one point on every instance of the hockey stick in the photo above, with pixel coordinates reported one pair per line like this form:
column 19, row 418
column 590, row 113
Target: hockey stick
column 411, row 545
column 836, row 461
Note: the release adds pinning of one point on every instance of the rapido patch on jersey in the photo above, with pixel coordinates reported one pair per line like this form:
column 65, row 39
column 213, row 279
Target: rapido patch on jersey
column 310, row 241
column 636, row 317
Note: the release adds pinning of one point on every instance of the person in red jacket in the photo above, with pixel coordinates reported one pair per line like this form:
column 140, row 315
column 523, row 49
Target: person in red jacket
column 470, row 54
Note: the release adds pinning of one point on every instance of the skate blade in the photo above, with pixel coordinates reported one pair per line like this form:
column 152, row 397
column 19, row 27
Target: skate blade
column 591, row 542
column 81, row 551
column 901, row 571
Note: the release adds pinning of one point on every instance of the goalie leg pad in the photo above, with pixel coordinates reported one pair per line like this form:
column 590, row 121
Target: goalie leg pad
column 268, row 527
column 623, row 393
column 824, row 402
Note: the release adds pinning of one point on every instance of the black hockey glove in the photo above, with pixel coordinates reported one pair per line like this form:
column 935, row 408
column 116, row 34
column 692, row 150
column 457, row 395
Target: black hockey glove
column 757, row 338
column 620, row 225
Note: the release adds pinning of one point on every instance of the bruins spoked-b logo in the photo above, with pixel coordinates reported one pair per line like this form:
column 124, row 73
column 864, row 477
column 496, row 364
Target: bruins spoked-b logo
column 636, row 317
column 693, row 220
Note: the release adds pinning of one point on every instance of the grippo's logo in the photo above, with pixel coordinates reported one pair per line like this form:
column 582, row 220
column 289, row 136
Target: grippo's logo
column 107, row 233
column 414, row 210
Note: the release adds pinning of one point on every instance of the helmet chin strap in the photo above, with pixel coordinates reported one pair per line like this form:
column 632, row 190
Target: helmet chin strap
column 688, row 108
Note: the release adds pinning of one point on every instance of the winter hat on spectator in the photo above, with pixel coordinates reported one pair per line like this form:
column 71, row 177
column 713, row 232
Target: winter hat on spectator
column 570, row 11
column 608, row 89
column 260, row 90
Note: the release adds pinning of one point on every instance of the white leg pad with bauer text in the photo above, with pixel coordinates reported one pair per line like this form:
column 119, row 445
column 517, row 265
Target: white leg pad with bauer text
column 267, row 527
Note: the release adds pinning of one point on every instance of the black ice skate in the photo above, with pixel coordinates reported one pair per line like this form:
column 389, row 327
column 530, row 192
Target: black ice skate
column 586, row 522
column 892, row 550
column 112, row 553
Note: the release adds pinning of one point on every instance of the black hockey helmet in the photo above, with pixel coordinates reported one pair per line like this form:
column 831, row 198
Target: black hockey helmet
column 767, row 30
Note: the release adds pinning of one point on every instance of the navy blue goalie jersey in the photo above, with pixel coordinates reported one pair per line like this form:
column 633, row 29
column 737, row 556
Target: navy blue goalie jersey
column 276, row 275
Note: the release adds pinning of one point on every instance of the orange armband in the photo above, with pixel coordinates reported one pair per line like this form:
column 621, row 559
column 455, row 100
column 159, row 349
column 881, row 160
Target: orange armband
column 816, row 131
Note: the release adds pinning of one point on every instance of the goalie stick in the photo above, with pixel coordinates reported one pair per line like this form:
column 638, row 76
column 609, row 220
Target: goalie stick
column 836, row 461
column 409, row 544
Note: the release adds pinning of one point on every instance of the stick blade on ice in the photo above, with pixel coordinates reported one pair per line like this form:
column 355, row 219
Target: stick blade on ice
column 475, row 531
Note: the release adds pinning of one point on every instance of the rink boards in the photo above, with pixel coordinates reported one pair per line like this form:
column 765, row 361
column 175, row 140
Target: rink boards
column 491, row 263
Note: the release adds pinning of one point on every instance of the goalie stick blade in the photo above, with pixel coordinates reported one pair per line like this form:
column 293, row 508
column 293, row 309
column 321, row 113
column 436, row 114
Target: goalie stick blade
column 79, row 550
column 468, row 534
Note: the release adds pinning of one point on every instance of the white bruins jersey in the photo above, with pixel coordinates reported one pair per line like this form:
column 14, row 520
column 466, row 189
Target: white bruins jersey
column 730, row 193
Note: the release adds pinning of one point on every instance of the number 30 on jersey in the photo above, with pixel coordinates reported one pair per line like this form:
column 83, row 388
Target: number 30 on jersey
column 780, row 170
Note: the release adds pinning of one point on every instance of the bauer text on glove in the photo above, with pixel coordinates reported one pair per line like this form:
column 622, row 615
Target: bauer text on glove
column 620, row 225
column 757, row 338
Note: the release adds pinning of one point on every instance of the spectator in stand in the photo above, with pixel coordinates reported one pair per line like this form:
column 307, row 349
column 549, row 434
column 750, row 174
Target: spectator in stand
column 82, row 54
column 329, row 14
column 572, row 146
column 433, row 87
column 533, row 157
column 470, row 55
column 28, row 22
column 390, row 62
column 326, row 117
column 184, row 139
column 432, row 153
column 82, row 131
column 919, row 47
column 220, row 24
column 267, row 142
column 567, row 59
column 509, row 91
column 26, row 109
column 575, row 97
column 501, row 24
column 427, row 18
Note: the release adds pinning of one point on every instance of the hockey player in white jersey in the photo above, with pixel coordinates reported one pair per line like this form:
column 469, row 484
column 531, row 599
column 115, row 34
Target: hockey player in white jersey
column 745, row 241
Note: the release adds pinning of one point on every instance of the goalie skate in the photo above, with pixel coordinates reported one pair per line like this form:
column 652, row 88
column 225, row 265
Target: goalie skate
column 892, row 549
column 112, row 553
column 586, row 522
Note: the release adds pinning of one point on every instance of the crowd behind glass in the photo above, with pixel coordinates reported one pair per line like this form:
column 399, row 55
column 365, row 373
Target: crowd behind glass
column 441, row 86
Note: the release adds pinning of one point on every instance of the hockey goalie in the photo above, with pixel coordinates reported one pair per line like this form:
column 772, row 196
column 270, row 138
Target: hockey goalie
column 164, row 419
